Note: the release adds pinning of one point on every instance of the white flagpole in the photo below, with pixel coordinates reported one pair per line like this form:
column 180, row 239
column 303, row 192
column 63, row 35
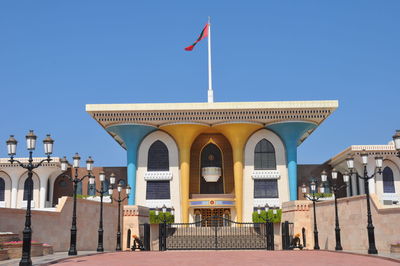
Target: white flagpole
column 210, row 90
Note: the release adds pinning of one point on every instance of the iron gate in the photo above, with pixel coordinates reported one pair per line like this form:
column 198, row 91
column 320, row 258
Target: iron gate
column 216, row 233
column 287, row 235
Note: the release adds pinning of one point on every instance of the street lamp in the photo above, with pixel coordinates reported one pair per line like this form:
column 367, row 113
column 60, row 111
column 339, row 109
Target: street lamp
column 314, row 198
column 268, row 224
column 396, row 140
column 163, row 227
column 102, row 191
column 119, row 200
column 76, row 180
column 12, row 150
column 335, row 188
column 378, row 166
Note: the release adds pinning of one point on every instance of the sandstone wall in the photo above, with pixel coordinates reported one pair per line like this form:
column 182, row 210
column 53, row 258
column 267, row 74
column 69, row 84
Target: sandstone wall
column 54, row 227
column 352, row 219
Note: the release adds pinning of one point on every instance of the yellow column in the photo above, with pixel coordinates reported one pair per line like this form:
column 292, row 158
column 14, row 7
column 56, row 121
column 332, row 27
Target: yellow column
column 184, row 135
column 237, row 134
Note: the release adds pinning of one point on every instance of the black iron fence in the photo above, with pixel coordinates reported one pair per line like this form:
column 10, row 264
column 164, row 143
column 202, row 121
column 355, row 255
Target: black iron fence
column 216, row 233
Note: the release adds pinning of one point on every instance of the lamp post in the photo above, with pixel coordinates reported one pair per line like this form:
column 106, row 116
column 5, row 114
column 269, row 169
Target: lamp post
column 102, row 178
column 163, row 228
column 270, row 245
column 119, row 200
column 335, row 188
column 396, row 140
column 314, row 198
column 12, row 150
column 76, row 180
column 378, row 166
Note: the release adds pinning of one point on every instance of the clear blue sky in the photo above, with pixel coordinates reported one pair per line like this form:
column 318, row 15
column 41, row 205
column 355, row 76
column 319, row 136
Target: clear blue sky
column 57, row 56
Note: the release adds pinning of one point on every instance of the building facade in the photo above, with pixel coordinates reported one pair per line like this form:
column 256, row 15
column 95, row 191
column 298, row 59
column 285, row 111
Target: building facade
column 208, row 159
column 385, row 185
column 14, row 184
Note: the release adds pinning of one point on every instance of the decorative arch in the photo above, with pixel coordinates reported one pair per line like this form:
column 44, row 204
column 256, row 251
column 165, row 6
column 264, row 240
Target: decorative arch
column 211, row 156
column 264, row 156
column 272, row 179
column 157, row 158
column 171, row 175
column 5, row 198
column 62, row 187
column 22, row 184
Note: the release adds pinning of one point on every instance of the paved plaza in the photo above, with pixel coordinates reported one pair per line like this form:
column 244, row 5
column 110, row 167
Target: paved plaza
column 216, row 258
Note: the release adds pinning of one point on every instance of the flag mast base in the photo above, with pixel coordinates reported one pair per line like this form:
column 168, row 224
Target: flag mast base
column 210, row 96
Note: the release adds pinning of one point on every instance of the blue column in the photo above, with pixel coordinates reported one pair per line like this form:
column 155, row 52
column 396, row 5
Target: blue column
column 291, row 133
column 132, row 135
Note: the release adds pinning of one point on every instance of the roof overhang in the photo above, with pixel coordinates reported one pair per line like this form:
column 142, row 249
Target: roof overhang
column 160, row 114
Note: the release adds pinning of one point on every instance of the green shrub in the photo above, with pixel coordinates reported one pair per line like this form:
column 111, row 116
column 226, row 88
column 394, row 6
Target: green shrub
column 79, row 196
column 157, row 219
column 275, row 218
column 322, row 195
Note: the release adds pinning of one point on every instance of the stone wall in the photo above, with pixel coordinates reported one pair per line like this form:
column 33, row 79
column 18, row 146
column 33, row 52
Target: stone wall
column 53, row 227
column 353, row 222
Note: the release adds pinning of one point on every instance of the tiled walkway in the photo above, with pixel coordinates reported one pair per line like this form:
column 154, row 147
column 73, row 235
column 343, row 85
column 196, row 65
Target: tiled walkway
column 216, row 258
column 45, row 259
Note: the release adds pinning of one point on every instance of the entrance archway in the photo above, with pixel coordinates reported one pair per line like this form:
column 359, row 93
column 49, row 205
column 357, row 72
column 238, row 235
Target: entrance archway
column 211, row 150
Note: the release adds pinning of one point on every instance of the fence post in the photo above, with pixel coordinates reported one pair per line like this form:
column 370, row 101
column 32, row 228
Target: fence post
column 271, row 231
column 285, row 236
column 146, row 233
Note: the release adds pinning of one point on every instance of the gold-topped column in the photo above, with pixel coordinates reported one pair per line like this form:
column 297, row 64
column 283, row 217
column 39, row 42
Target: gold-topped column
column 238, row 134
column 184, row 135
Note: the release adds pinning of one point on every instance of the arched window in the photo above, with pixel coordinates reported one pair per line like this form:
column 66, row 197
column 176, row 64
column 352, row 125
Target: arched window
column 157, row 159
column 28, row 185
column 388, row 181
column 91, row 189
column 2, row 189
column 264, row 156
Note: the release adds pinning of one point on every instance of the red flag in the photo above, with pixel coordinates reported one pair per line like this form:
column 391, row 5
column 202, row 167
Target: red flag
column 203, row 34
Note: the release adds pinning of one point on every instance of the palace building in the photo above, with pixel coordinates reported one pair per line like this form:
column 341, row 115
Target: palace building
column 207, row 159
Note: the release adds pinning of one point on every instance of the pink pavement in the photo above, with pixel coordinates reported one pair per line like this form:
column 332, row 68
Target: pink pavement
column 236, row 258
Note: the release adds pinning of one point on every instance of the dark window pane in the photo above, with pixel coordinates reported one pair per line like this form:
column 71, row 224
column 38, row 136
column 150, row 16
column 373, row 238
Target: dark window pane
column 79, row 188
column 91, row 191
column 388, row 182
column 2, row 189
column 157, row 190
column 28, row 185
column 48, row 190
column 266, row 188
column 264, row 156
column 157, row 159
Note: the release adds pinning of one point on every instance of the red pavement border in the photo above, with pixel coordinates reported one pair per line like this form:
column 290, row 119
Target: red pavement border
column 332, row 251
column 366, row 255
